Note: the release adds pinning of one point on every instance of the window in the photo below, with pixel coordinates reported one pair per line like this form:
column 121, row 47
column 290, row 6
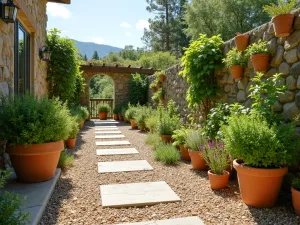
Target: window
column 22, row 59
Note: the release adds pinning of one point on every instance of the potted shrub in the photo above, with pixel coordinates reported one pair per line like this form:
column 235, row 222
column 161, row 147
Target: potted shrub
column 103, row 110
column 116, row 112
column 141, row 116
column 241, row 41
column 130, row 114
column 217, row 160
column 80, row 113
column 195, row 142
column 262, row 153
column 123, row 111
column 71, row 141
column 166, row 126
column 179, row 137
column 158, row 84
column 151, row 122
column 153, row 87
column 34, row 129
column 160, row 75
column 259, row 55
column 235, row 61
column 282, row 19
column 296, row 195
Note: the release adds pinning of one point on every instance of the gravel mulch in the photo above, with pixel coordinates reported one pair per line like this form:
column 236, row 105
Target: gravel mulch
column 76, row 198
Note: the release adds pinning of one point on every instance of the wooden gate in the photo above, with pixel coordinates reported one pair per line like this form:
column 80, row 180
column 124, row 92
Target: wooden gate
column 94, row 107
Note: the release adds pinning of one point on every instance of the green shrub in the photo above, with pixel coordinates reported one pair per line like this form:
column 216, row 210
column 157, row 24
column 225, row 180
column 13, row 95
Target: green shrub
column 103, row 107
column 75, row 128
column 180, row 136
column 283, row 7
column 152, row 139
column 167, row 154
column 235, row 58
column 131, row 112
column 167, row 125
column 195, row 140
column 138, row 89
column 78, row 113
column 84, row 112
column 257, row 48
column 30, row 120
column 65, row 160
column 152, row 121
column 141, row 115
column 153, row 85
column 296, row 184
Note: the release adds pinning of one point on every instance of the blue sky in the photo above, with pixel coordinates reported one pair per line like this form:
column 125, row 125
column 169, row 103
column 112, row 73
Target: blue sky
column 111, row 22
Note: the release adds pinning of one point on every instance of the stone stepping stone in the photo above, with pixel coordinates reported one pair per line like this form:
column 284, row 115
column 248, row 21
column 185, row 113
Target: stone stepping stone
column 123, row 166
column 117, row 151
column 106, row 122
column 106, row 128
column 137, row 194
column 112, row 143
column 195, row 220
column 109, row 136
column 108, row 132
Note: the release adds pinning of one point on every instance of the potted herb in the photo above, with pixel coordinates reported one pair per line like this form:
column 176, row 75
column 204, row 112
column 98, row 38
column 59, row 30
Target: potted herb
column 262, row 153
column 116, row 112
column 179, row 137
column 158, row 84
column 235, row 61
column 71, row 141
column 241, row 41
column 195, row 142
column 130, row 114
column 34, row 129
column 153, row 87
column 166, row 126
column 141, row 116
column 296, row 195
column 217, row 160
column 161, row 75
column 123, row 111
column 103, row 110
column 151, row 122
column 80, row 113
column 282, row 19
column 259, row 55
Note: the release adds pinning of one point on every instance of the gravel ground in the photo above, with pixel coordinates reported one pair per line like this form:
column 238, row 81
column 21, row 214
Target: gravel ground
column 76, row 198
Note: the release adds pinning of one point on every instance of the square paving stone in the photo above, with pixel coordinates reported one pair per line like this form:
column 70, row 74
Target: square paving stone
column 123, row 166
column 112, row 143
column 137, row 194
column 117, row 151
column 195, row 220
column 108, row 132
column 109, row 136
column 105, row 122
column 106, row 125
column 106, row 128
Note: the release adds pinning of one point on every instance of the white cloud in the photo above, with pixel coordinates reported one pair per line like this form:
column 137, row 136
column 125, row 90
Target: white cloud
column 128, row 34
column 58, row 10
column 141, row 24
column 97, row 40
column 125, row 25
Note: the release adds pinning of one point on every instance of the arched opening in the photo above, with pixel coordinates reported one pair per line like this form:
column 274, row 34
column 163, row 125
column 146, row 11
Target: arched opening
column 101, row 90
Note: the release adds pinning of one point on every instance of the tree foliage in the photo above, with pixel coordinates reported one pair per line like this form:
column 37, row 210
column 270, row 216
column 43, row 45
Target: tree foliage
column 101, row 87
column 95, row 55
column 138, row 89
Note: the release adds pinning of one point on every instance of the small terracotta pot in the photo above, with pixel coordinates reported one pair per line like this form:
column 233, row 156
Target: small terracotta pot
column 283, row 24
column 70, row 143
column 81, row 125
column 154, row 89
column 296, row 200
column 198, row 163
column 162, row 78
column 166, row 138
column 103, row 115
column 133, row 124
column 260, row 62
column 236, row 72
column 121, row 118
column 35, row 163
column 184, row 152
column 159, row 85
column 142, row 128
column 259, row 187
column 218, row 182
column 116, row 117
column 241, row 41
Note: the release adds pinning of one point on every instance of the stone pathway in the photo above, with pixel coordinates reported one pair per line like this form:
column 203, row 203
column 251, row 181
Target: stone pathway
column 108, row 132
column 180, row 221
column 109, row 136
column 117, row 151
column 123, row 166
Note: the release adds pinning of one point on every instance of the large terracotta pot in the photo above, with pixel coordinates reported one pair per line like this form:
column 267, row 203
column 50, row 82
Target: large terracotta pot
column 35, row 163
column 154, row 89
column 198, row 163
column 184, row 152
column 103, row 115
column 296, row 200
column 236, row 72
column 218, row 182
column 166, row 138
column 241, row 41
column 260, row 62
column 121, row 118
column 133, row 124
column 283, row 24
column 259, row 187
column 70, row 143
column 162, row 78
column 116, row 117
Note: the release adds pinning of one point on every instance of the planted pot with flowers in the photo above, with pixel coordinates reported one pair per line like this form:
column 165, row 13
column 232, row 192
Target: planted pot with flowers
column 130, row 114
column 282, row 19
column 296, row 195
column 259, row 55
column 34, row 129
column 241, row 41
column 166, row 127
column 103, row 110
column 217, row 160
column 195, row 142
column 180, row 136
column 235, row 61
column 71, row 141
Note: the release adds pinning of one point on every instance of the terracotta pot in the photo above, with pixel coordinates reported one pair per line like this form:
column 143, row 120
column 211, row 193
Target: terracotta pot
column 133, row 124
column 283, row 24
column 166, row 138
column 159, row 85
column 162, row 78
column 260, row 62
column 296, row 200
column 236, row 72
column 198, row 163
column 154, row 89
column 35, row 163
column 141, row 128
column 103, row 115
column 259, row 187
column 121, row 118
column 218, row 182
column 70, row 143
column 241, row 41
column 184, row 152
column 116, row 117
column 81, row 125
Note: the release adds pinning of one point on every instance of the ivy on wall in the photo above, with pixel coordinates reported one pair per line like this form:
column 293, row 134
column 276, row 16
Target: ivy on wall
column 138, row 89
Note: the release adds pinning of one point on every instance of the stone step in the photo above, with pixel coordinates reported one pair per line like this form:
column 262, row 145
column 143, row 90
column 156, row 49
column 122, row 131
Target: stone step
column 123, row 166
column 106, row 122
column 106, row 128
column 195, row 220
column 112, row 143
column 108, row 132
column 109, row 136
column 117, row 151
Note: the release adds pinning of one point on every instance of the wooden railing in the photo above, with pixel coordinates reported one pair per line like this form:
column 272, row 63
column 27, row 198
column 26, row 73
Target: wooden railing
column 94, row 107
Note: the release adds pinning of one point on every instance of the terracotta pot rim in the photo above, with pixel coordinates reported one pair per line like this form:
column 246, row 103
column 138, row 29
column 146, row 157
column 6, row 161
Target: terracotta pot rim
column 190, row 150
column 234, row 66
column 35, row 149
column 225, row 173
column 260, row 55
column 283, row 15
column 242, row 35
column 294, row 190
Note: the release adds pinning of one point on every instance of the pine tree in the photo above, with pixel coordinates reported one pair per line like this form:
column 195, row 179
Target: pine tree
column 85, row 57
column 95, row 55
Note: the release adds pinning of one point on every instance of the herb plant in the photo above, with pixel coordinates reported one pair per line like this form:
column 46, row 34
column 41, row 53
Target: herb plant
column 257, row 48
column 167, row 154
column 283, row 7
column 103, row 107
column 296, row 184
column 235, row 58
column 195, row 140
column 74, row 128
column 131, row 112
column 180, row 136
column 65, row 160
column 152, row 121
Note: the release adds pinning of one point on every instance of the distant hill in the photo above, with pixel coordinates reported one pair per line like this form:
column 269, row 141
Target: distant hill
column 88, row 48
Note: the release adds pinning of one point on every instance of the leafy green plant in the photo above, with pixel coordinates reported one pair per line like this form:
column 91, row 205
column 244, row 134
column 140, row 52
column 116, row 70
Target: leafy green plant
column 116, row 110
column 153, row 85
column 257, row 48
column 103, row 107
column 296, row 184
column 84, row 112
column 30, row 120
column 195, row 140
column 138, row 89
column 152, row 121
column 235, row 58
column 203, row 56
column 282, row 7
column 152, row 139
column 131, row 112
column 167, row 154
column 75, row 128
column 65, row 160
column 141, row 116
column 167, row 125
column 78, row 113
column 180, row 136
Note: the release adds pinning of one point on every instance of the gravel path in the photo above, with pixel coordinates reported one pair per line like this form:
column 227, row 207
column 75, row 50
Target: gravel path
column 76, row 198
